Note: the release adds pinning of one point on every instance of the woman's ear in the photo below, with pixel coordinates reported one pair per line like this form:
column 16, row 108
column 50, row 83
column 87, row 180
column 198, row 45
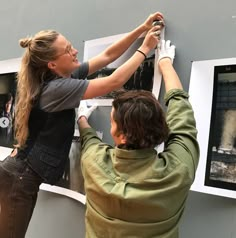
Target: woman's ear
column 51, row 65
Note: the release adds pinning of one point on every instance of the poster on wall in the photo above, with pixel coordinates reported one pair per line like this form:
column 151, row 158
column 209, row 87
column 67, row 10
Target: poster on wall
column 213, row 96
column 146, row 77
column 8, row 69
column 7, row 102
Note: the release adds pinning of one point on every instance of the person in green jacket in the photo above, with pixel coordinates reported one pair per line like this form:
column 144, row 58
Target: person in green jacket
column 131, row 189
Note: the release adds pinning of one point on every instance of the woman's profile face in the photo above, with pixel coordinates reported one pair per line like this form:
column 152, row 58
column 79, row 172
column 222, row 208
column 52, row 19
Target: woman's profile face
column 66, row 59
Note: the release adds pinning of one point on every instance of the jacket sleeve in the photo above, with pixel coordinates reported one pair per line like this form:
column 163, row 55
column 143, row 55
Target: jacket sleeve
column 182, row 142
column 89, row 139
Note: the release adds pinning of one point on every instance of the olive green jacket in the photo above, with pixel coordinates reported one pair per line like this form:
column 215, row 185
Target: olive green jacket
column 139, row 193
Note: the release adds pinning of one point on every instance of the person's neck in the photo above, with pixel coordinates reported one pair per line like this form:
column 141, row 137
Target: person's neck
column 63, row 74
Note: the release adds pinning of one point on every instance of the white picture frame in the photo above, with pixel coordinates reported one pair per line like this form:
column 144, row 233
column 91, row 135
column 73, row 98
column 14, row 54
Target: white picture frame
column 201, row 91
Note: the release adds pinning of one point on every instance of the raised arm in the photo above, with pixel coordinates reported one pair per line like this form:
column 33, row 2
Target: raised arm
column 182, row 142
column 118, row 48
column 102, row 86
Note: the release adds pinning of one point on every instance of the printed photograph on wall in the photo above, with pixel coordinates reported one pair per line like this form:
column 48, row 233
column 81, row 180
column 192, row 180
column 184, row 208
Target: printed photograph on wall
column 8, row 69
column 221, row 158
column 145, row 77
column 212, row 93
column 7, row 103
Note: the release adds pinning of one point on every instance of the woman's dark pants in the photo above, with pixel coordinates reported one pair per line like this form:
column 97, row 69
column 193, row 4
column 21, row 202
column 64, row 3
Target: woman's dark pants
column 19, row 186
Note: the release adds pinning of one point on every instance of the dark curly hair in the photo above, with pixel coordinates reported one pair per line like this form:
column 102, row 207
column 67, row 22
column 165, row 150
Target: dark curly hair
column 140, row 117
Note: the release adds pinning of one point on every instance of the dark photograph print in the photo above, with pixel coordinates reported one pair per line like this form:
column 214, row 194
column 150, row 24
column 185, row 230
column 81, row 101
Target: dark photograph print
column 143, row 78
column 7, row 102
column 221, row 158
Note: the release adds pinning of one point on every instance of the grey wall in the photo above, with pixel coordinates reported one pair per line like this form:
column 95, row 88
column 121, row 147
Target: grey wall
column 200, row 30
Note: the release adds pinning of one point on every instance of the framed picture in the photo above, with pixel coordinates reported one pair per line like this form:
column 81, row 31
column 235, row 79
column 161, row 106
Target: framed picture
column 213, row 96
column 221, row 155
column 8, row 69
column 146, row 77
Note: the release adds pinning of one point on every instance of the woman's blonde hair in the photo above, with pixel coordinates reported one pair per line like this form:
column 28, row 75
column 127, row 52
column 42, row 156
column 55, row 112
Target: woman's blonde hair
column 31, row 76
